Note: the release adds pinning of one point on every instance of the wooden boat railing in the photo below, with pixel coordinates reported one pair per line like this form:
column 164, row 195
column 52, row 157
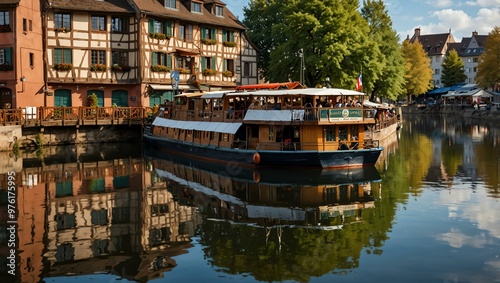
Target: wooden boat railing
column 302, row 114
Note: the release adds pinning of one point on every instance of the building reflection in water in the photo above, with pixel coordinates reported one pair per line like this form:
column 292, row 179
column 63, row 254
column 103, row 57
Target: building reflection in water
column 128, row 216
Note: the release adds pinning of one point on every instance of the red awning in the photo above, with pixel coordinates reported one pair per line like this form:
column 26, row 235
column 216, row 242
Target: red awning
column 287, row 85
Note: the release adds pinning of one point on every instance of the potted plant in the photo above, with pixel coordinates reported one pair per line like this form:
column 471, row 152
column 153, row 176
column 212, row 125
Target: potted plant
column 209, row 72
column 229, row 44
column 207, row 41
column 227, row 74
column 63, row 67
column 158, row 35
column 98, row 68
column 7, row 105
column 92, row 100
column 120, row 68
column 159, row 68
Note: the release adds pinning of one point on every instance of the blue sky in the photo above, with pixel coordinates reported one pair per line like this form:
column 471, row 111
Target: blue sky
column 431, row 16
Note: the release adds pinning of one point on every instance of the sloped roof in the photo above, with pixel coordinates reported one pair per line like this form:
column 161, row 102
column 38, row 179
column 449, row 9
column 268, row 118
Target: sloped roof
column 434, row 44
column 155, row 8
column 93, row 5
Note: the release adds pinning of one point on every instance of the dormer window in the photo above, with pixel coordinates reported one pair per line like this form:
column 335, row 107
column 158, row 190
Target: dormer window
column 196, row 7
column 219, row 11
column 172, row 4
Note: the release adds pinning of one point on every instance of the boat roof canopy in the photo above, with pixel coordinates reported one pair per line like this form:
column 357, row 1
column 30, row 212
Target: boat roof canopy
column 285, row 85
column 220, row 127
column 304, row 91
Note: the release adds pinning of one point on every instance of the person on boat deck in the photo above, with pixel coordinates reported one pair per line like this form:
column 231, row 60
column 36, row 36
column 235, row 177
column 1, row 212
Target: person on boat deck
column 308, row 105
column 230, row 112
column 339, row 104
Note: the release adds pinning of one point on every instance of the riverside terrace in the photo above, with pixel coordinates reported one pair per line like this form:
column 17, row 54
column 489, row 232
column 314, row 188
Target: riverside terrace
column 74, row 116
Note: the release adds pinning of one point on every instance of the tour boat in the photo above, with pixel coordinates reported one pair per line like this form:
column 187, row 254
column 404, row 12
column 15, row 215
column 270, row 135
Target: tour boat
column 300, row 127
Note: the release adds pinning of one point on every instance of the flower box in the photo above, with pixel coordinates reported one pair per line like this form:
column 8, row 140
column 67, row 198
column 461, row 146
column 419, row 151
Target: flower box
column 98, row 68
column 158, row 35
column 183, row 71
column 159, row 68
column 209, row 72
column 63, row 67
column 62, row 29
column 227, row 74
column 209, row 41
column 5, row 67
column 229, row 44
column 120, row 68
column 7, row 106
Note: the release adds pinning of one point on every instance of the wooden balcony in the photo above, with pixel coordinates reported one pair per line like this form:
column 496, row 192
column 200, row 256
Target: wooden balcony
column 74, row 116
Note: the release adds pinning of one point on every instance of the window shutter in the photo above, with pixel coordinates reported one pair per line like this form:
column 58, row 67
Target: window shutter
column 151, row 26
column 203, row 32
column 214, row 33
column 169, row 61
column 8, row 56
column 68, row 58
column 213, row 63
column 225, row 65
column 203, row 63
column 154, row 60
column 168, row 28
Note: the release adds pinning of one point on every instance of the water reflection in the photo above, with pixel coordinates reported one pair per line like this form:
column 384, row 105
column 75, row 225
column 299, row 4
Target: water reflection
column 86, row 209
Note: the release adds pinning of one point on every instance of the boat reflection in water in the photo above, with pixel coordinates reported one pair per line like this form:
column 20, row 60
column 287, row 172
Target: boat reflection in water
column 271, row 223
column 314, row 198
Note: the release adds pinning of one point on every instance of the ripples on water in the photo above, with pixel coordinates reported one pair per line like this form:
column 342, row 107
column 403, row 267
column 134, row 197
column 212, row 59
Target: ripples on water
column 428, row 212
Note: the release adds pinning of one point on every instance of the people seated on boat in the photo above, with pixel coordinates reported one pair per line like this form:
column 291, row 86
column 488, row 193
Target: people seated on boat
column 308, row 105
column 358, row 104
column 230, row 112
column 339, row 104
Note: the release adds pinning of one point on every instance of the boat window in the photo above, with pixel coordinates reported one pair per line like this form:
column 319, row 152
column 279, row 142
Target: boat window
column 343, row 133
column 330, row 133
column 354, row 132
column 271, row 136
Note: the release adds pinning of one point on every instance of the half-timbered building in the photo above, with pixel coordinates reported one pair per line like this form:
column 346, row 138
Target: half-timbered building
column 142, row 52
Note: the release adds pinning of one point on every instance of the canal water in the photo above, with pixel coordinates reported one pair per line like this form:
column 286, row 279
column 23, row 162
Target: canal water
column 428, row 212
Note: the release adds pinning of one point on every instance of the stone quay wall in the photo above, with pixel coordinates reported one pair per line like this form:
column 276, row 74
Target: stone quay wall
column 50, row 136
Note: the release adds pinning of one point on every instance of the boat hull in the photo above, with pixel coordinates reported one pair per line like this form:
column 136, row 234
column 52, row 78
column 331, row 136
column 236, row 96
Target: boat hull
column 253, row 158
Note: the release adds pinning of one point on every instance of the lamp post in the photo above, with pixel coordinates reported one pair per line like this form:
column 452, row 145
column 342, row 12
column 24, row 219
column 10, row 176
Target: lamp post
column 327, row 82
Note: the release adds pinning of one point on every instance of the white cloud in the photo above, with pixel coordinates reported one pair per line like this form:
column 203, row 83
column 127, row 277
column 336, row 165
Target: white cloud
column 488, row 3
column 441, row 3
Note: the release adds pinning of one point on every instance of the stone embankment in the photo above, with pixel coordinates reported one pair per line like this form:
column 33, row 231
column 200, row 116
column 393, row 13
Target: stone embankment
column 482, row 115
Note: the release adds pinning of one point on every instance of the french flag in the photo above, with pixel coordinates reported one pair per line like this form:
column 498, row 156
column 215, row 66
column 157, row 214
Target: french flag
column 359, row 83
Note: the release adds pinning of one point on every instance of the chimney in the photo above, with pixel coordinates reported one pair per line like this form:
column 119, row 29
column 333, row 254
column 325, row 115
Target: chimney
column 474, row 33
column 417, row 32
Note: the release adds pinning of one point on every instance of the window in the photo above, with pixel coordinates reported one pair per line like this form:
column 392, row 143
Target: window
column 228, row 36
column 119, row 58
column 437, row 72
column 185, row 32
column 208, row 63
column 208, row 33
column 62, row 55
column 5, row 56
column 120, row 215
column 25, row 25
column 474, row 60
column 183, row 62
column 160, row 58
column 195, row 7
column 30, row 25
column 4, row 18
column 246, row 69
column 65, row 221
column 468, row 60
column 32, row 60
column 99, row 217
column 98, row 23
column 119, row 24
column 156, row 26
column 229, row 65
column 219, row 11
column 171, row 4
column 98, row 57
column 271, row 134
column 330, row 133
column 62, row 20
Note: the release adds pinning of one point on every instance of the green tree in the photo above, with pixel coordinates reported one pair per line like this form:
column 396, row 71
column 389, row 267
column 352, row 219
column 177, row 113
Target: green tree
column 488, row 74
column 453, row 69
column 331, row 33
column 389, row 82
column 418, row 71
